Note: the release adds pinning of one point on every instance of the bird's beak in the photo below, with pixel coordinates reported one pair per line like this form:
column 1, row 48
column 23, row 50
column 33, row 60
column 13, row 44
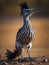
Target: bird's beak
column 35, row 11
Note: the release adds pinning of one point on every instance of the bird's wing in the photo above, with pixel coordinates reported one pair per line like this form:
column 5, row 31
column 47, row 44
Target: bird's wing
column 20, row 33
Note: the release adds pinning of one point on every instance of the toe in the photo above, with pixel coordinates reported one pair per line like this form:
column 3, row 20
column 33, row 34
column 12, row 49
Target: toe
column 22, row 59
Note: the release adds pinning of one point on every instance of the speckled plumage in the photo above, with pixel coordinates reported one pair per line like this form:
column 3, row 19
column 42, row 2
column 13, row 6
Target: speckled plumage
column 24, row 34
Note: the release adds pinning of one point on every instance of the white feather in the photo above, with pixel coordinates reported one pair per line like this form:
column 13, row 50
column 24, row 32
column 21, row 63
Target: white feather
column 19, row 45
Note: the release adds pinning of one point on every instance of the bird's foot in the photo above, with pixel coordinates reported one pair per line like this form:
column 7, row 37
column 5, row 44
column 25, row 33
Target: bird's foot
column 32, row 59
column 21, row 60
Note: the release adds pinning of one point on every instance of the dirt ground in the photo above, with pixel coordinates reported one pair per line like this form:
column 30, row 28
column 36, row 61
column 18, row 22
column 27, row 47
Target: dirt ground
column 34, row 61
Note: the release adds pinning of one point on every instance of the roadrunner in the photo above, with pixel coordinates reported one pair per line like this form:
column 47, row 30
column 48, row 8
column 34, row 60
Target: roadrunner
column 24, row 35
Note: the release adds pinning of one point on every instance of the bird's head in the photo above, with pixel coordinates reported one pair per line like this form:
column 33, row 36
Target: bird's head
column 26, row 10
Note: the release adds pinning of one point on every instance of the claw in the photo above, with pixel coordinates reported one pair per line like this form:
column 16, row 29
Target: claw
column 32, row 59
column 21, row 59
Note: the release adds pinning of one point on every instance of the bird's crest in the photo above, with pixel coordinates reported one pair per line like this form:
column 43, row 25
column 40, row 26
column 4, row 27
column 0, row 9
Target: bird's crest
column 24, row 8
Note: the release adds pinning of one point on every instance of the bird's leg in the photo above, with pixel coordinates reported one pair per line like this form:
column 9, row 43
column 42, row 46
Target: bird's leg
column 30, row 58
column 22, row 58
column 28, row 53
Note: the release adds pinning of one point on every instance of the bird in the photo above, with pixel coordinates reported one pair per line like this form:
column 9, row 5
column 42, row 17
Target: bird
column 24, row 35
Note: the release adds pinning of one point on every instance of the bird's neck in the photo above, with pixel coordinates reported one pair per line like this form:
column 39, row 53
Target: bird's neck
column 26, row 21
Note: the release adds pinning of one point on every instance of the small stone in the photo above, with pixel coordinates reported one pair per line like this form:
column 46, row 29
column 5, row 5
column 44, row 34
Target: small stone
column 21, row 64
column 6, row 63
column 45, row 60
column 13, row 62
column 2, row 63
column 31, row 64
column 39, row 63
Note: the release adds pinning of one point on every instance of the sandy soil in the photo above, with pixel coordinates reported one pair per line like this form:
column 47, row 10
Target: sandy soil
column 34, row 61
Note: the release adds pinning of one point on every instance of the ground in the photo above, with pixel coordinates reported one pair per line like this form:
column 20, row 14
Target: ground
column 34, row 61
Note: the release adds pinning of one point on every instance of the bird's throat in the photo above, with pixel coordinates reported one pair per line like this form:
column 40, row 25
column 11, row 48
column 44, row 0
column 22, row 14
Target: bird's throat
column 27, row 22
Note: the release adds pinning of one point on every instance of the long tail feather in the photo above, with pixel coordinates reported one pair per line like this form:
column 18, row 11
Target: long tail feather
column 12, row 55
column 8, row 52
